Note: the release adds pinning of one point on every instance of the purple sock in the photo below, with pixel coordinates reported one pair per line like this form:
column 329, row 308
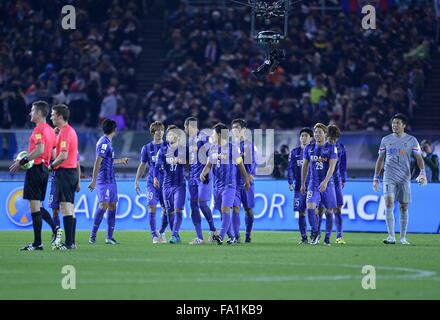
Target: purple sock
column 208, row 214
column 338, row 221
column 111, row 223
column 196, row 219
column 229, row 232
column 171, row 221
column 328, row 224
column 99, row 214
column 164, row 223
column 302, row 226
column 313, row 220
column 236, row 224
column 56, row 219
column 152, row 218
column 226, row 223
column 249, row 221
column 177, row 224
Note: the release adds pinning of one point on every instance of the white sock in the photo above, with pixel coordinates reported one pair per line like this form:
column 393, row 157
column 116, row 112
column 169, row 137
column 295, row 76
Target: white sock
column 403, row 223
column 390, row 221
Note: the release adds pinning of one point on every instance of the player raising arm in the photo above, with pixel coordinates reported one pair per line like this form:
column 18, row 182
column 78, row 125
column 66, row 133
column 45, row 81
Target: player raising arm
column 395, row 157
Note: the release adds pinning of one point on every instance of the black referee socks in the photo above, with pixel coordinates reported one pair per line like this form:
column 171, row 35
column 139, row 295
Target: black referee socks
column 68, row 229
column 37, row 224
column 45, row 215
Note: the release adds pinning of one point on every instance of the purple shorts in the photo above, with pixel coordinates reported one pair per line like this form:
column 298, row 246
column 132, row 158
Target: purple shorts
column 339, row 195
column 53, row 202
column 299, row 201
column 224, row 198
column 174, row 197
column 107, row 192
column 245, row 197
column 327, row 198
column 200, row 191
column 154, row 196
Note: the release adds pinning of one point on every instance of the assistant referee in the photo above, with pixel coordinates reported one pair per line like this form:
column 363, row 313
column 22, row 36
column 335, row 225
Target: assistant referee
column 66, row 174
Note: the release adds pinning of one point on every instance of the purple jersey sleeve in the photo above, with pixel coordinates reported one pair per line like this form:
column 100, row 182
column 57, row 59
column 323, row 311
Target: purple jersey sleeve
column 102, row 149
column 333, row 152
column 144, row 154
column 306, row 155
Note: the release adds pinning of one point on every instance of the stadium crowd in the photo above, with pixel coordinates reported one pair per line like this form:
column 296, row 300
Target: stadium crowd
column 335, row 72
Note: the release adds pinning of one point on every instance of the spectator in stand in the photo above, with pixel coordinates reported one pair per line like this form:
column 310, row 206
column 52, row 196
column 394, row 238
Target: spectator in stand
column 109, row 105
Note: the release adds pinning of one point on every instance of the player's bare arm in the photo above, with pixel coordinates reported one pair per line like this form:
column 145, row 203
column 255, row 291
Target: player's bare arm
column 377, row 170
column 330, row 171
column 78, row 169
column 421, row 179
column 96, row 167
column 244, row 174
column 304, row 172
column 139, row 173
column 205, row 171
column 121, row 160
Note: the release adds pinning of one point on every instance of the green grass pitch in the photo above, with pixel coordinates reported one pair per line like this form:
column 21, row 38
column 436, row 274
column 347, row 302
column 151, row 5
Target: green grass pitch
column 272, row 267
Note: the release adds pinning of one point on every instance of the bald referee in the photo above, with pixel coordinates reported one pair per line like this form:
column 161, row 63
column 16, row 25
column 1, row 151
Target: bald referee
column 41, row 143
column 65, row 166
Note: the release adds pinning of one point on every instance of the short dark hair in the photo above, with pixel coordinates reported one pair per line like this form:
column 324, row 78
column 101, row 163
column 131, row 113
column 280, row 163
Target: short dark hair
column 219, row 127
column 62, row 110
column 190, row 119
column 401, row 117
column 306, row 130
column 241, row 123
column 333, row 131
column 41, row 106
column 108, row 126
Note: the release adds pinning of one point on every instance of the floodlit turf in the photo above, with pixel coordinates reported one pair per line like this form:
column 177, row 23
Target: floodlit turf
column 272, row 267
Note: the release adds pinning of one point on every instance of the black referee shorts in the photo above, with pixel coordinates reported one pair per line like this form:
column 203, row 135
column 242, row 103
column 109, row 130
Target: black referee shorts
column 66, row 182
column 35, row 182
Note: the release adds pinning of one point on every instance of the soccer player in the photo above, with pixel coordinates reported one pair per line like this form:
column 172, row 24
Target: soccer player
column 339, row 177
column 149, row 154
column 104, row 180
column 396, row 150
column 65, row 166
column 41, row 143
column 224, row 157
column 322, row 157
column 294, row 175
column 172, row 158
column 200, row 193
column 247, row 198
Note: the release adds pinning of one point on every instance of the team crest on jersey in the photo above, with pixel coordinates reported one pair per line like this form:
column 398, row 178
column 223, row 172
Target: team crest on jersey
column 38, row 136
column 63, row 144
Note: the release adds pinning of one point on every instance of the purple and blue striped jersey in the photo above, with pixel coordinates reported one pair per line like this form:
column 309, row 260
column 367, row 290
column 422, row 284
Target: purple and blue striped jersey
column 168, row 158
column 295, row 167
column 340, row 174
column 224, row 165
column 247, row 152
column 319, row 157
column 149, row 154
column 104, row 149
column 195, row 144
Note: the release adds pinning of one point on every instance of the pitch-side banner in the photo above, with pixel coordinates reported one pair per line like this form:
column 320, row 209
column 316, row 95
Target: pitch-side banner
column 363, row 209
